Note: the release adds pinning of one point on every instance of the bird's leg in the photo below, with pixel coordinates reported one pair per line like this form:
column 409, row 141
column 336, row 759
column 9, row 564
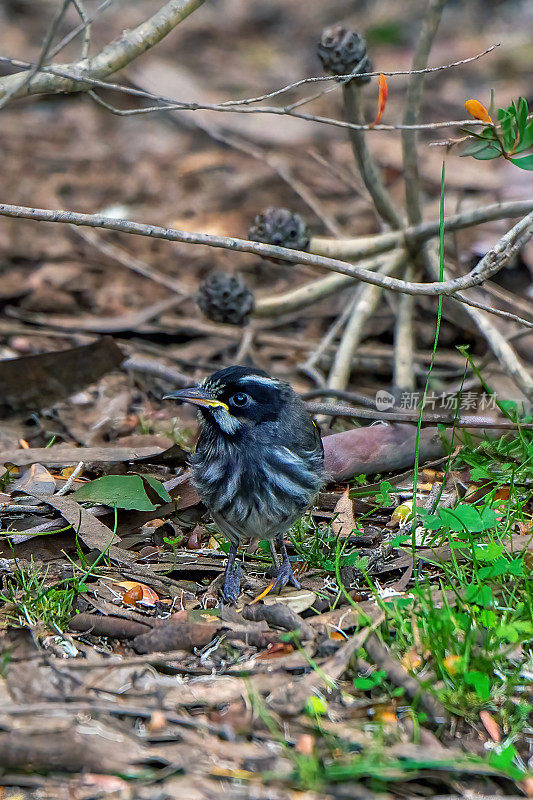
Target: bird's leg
column 285, row 574
column 232, row 577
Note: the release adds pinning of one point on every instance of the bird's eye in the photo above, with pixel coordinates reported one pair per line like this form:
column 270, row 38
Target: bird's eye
column 240, row 399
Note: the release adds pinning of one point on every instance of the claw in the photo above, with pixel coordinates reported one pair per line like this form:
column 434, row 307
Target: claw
column 286, row 575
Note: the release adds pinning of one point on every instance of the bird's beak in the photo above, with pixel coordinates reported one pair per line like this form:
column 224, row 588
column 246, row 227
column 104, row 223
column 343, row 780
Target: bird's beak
column 197, row 397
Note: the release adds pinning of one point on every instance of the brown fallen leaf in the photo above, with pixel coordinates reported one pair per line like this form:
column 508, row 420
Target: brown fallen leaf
column 33, row 382
column 91, row 531
column 64, row 454
column 35, row 481
column 378, row 448
column 343, row 521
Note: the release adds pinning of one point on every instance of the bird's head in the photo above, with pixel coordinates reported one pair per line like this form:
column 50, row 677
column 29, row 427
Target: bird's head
column 236, row 397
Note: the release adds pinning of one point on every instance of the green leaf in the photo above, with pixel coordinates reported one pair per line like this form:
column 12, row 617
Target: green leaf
column 491, row 151
column 521, row 114
column 524, row 163
column 488, row 552
column 504, row 761
column 526, row 140
column 474, row 148
column 374, row 679
column 316, row 706
column 488, row 618
column 507, row 122
column 481, row 594
column 135, row 492
column 480, row 682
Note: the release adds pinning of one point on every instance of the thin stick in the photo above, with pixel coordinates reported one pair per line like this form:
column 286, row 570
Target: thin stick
column 112, row 58
column 309, row 366
column 489, row 265
column 129, row 261
column 466, row 421
column 365, row 305
column 497, row 342
column 430, row 24
column 363, row 246
column 307, row 294
column 22, row 81
column 403, row 373
column 370, row 172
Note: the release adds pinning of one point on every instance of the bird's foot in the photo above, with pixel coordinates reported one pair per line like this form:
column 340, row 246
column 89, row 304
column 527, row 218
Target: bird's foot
column 232, row 583
column 286, row 576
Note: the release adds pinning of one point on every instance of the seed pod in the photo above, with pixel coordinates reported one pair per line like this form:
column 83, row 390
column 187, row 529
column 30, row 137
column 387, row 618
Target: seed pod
column 280, row 227
column 225, row 298
column 342, row 51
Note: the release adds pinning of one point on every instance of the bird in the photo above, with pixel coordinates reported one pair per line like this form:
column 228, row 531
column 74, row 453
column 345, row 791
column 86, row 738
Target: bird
column 258, row 462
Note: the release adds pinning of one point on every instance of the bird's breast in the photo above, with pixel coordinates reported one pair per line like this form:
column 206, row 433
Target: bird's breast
column 257, row 487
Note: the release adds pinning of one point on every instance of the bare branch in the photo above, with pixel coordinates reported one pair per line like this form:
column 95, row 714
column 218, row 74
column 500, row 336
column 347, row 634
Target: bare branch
column 112, row 58
column 465, row 421
column 489, row 265
column 364, row 306
column 430, row 24
column 362, row 247
column 497, row 342
column 368, row 169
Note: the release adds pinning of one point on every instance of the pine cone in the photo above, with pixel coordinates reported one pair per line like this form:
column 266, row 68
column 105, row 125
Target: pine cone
column 341, row 51
column 225, row 298
column 281, row 227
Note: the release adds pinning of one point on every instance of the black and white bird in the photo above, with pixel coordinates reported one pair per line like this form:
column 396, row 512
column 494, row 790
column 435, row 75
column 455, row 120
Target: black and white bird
column 258, row 464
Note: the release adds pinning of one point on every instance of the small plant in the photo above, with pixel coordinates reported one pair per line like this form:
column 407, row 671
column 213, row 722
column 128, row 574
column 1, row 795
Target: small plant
column 512, row 134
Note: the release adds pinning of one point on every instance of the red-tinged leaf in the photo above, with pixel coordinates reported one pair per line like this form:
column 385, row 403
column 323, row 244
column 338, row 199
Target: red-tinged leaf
column 275, row 650
column 382, row 99
column 132, row 596
column 478, row 110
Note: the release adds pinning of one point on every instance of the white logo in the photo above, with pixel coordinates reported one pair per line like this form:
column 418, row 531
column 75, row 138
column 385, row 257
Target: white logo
column 384, row 400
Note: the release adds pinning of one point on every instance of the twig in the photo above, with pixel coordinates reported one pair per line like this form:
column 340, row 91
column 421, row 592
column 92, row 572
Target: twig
column 364, row 306
column 112, row 58
column 21, row 81
column 309, row 366
column 430, row 23
column 461, row 298
column 308, row 293
column 497, row 342
column 129, row 261
column 340, row 394
column 489, row 265
column 465, row 421
column 370, row 172
column 76, row 472
column 87, row 21
column 68, row 80
column 150, row 366
column 373, row 245
column 403, row 373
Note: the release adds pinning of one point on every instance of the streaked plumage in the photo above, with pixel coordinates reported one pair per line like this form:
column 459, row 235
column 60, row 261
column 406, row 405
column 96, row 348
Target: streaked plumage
column 259, row 459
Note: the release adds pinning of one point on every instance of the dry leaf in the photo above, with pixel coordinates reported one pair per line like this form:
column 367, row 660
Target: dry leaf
column 136, row 592
column 297, row 600
column 343, row 520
